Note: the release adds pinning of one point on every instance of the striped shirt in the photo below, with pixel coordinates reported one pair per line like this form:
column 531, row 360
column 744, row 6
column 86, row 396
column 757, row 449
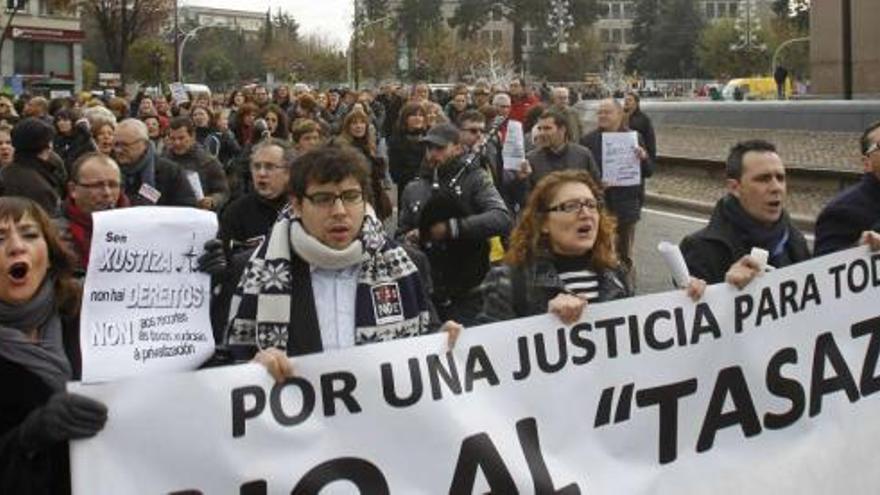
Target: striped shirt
column 577, row 278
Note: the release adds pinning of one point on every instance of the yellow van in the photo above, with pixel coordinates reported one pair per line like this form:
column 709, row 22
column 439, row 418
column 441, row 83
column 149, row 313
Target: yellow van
column 754, row 88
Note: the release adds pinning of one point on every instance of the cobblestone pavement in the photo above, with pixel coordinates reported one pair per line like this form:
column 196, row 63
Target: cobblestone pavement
column 807, row 149
column 804, row 149
column 802, row 199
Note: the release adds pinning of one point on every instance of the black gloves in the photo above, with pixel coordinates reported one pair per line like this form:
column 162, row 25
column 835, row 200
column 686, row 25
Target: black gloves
column 64, row 417
column 213, row 260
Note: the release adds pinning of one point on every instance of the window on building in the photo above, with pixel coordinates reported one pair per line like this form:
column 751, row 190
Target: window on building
column 629, row 10
column 628, row 36
column 24, row 7
column 604, row 35
column 617, row 36
column 710, row 10
column 721, row 9
column 58, row 59
column 496, row 14
column 731, row 9
column 615, row 10
column 28, row 57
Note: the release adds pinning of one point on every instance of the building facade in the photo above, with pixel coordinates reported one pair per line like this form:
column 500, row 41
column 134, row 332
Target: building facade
column 249, row 23
column 613, row 29
column 42, row 50
column 828, row 69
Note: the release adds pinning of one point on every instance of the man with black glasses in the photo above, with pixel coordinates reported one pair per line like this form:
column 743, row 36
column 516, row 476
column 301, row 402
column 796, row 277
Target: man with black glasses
column 326, row 277
column 246, row 221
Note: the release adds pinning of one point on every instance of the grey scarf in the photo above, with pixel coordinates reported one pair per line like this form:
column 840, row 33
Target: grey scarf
column 44, row 357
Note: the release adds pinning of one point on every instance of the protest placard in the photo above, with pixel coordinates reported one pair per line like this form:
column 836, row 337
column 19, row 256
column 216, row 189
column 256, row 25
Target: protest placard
column 620, row 164
column 513, row 150
column 767, row 390
column 145, row 306
column 178, row 92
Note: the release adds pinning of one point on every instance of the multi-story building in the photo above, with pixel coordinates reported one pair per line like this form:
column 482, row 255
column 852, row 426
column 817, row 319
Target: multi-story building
column 614, row 28
column 250, row 23
column 42, row 51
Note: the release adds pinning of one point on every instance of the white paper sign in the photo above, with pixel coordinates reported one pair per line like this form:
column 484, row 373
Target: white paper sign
column 770, row 390
column 145, row 307
column 195, row 184
column 620, row 164
column 513, row 151
column 178, row 92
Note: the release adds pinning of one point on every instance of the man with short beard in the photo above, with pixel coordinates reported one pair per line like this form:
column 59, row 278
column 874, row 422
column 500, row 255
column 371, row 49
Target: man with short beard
column 554, row 151
column 197, row 162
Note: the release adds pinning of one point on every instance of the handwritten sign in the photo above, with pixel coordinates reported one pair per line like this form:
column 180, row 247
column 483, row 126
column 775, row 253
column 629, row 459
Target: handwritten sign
column 513, row 151
column 145, row 305
column 620, row 164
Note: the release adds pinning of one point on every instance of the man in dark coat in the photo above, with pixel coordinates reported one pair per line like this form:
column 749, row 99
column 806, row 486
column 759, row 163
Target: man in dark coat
column 148, row 178
column 750, row 215
column 198, row 164
column 36, row 173
column 845, row 220
column 452, row 210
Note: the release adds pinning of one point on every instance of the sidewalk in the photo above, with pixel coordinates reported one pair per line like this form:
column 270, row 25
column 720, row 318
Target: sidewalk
column 805, row 149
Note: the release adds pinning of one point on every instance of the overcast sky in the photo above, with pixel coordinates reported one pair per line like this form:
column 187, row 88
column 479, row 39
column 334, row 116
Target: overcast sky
column 331, row 18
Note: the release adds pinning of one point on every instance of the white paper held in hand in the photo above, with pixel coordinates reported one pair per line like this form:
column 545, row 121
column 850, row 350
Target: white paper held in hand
column 675, row 261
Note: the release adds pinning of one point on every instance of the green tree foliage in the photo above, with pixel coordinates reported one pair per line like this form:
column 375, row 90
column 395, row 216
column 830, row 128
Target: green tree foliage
column 246, row 51
column 719, row 61
column 375, row 9
column 217, row 69
column 377, row 53
column 151, row 61
column 415, row 17
column 672, row 49
column 584, row 55
column 471, row 15
column 644, row 22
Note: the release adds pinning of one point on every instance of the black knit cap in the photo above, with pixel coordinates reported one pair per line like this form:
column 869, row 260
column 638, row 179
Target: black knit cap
column 31, row 136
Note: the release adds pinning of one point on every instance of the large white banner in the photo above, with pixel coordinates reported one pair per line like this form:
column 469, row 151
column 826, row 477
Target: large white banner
column 767, row 390
column 145, row 304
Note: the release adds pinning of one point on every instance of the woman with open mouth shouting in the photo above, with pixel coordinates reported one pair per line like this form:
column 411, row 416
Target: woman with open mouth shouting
column 39, row 342
column 562, row 254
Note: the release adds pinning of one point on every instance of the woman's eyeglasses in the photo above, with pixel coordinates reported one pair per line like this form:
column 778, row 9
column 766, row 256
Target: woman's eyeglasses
column 576, row 205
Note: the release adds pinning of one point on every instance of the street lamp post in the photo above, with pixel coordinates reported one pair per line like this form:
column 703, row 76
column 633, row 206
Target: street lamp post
column 188, row 36
column 353, row 73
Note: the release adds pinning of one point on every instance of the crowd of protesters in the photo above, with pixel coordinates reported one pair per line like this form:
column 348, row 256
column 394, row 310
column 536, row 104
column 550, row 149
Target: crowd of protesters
column 302, row 181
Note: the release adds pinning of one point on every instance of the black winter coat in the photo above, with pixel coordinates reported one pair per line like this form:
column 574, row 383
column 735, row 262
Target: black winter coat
column 711, row 251
column 853, row 211
column 21, row 392
column 516, row 292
